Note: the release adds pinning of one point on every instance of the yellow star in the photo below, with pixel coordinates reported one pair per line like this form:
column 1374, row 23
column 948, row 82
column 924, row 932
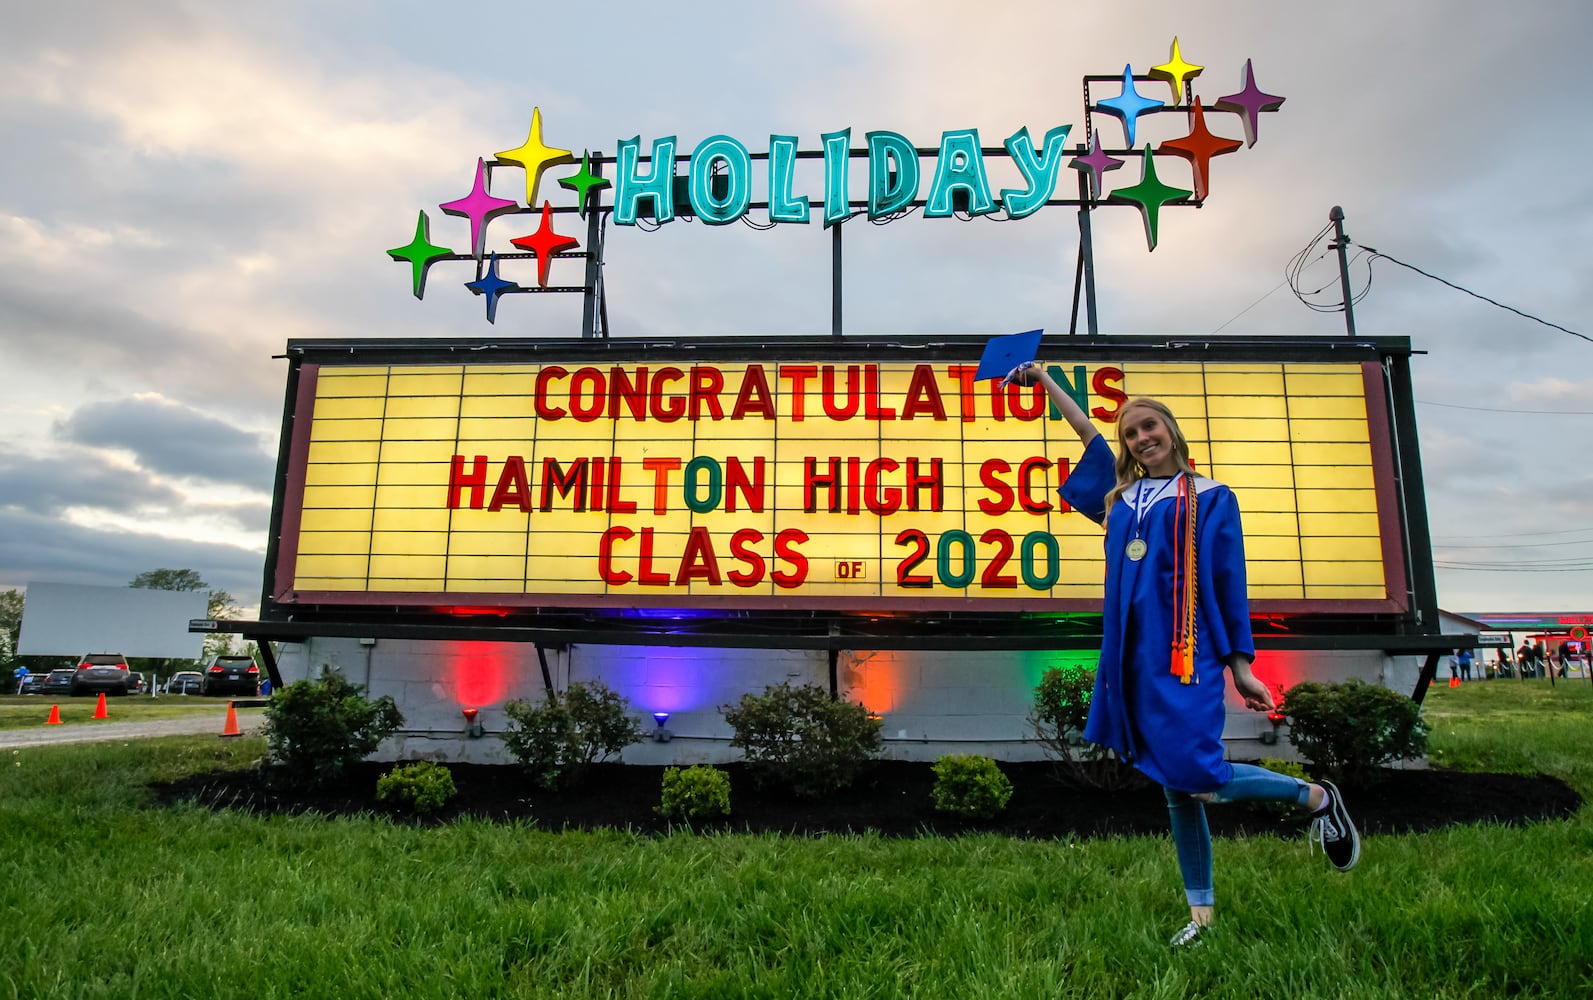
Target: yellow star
column 535, row 157
column 1175, row 71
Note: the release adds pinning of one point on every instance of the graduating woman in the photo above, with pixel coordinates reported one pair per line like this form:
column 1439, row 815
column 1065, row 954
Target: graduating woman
column 1176, row 618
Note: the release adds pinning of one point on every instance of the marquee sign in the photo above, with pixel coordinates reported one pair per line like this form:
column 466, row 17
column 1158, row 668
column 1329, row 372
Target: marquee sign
column 722, row 180
column 800, row 477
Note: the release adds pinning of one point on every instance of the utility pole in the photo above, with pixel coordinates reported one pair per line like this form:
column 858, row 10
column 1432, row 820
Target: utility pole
column 1336, row 216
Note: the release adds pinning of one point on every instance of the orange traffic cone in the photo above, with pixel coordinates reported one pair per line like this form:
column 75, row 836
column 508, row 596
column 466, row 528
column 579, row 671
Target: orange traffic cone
column 1454, row 682
column 55, row 716
column 99, row 710
column 231, row 726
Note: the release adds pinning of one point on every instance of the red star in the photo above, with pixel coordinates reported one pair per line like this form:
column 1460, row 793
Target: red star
column 1198, row 147
column 545, row 243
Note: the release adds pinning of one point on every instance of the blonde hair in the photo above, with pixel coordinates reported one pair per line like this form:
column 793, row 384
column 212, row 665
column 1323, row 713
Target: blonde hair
column 1129, row 471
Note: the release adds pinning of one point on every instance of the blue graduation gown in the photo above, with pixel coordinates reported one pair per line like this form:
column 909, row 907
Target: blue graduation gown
column 1170, row 731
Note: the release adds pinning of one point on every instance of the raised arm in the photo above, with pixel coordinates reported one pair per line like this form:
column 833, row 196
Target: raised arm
column 1031, row 372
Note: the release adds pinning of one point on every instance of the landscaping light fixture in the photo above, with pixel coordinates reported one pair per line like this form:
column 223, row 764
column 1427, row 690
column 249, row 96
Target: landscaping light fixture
column 472, row 724
column 1277, row 717
column 661, row 735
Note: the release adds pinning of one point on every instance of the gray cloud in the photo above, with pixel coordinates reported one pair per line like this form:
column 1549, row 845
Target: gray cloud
column 173, row 440
column 46, row 486
column 41, row 548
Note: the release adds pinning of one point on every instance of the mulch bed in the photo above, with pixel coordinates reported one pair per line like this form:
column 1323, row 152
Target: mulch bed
column 892, row 798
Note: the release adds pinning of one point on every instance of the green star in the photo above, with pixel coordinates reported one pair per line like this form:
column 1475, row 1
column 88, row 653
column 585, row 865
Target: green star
column 1150, row 194
column 421, row 253
column 583, row 182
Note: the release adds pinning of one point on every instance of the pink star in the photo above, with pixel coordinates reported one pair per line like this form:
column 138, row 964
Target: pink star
column 1097, row 163
column 480, row 208
column 545, row 243
column 1249, row 103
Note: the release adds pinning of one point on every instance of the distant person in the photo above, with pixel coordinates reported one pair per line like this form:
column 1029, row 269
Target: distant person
column 1176, row 630
column 1524, row 659
column 1464, row 659
column 21, row 675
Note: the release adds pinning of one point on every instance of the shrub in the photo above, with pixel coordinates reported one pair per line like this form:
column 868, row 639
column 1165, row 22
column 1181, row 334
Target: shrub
column 556, row 738
column 423, row 787
column 1352, row 728
column 694, row 794
column 1061, row 708
column 316, row 729
column 802, row 737
column 970, row 786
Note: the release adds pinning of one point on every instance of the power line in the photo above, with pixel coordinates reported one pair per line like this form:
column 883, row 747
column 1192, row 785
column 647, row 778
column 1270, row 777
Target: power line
column 1525, row 534
column 1378, row 254
column 1489, row 568
column 1492, row 409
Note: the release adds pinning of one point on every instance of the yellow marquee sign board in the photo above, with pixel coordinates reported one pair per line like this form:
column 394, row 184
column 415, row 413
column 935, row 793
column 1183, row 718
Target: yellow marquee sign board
column 802, row 484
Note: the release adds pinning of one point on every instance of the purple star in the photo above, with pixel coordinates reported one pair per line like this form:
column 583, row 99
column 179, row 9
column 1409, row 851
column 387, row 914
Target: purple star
column 492, row 287
column 1249, row 103
column 1128, row 105
column 480, row 208
column 1097, row 163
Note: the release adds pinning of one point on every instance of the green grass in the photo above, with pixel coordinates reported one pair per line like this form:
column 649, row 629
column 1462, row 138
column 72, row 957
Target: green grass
column 107, row 895
column 27, row 711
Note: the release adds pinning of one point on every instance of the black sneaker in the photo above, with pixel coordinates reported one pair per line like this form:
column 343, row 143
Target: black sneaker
column 1334, row 831
column 1190, row 936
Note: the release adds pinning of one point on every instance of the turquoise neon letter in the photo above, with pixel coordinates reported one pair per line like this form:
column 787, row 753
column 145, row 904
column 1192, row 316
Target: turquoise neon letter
column 1040, row 174
column 738, row 167
column 960, row 166
column 783, row 206
column 837, row 176
column 659, row 185
column 889, row 192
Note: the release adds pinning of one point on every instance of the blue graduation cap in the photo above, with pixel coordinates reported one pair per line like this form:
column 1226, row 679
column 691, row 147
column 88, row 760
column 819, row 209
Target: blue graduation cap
column 1006, row 352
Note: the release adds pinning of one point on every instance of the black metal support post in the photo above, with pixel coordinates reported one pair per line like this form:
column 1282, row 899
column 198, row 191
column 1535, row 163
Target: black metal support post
column 1429, row 669
column 835, row 279
column 1087, row 256
column 547, row 675
column 1336, row 216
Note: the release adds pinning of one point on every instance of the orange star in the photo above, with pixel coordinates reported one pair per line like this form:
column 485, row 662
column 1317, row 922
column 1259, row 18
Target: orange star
column 1198, row 147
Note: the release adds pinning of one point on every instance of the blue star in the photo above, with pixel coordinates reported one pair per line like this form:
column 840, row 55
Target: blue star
column 492, row 287
column 1128, row 105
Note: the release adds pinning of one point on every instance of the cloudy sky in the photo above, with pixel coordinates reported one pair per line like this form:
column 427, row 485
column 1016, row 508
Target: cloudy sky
column 185, row 186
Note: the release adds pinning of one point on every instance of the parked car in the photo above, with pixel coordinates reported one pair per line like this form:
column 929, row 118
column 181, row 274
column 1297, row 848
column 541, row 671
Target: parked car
column 32, row 684
column 235, row 675
column 184, row 682
column 100, row 673
column 135, row 682
column 57, row 682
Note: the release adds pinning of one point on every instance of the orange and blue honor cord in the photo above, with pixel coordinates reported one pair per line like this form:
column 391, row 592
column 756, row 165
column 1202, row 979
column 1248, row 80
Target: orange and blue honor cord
column 1184, row 582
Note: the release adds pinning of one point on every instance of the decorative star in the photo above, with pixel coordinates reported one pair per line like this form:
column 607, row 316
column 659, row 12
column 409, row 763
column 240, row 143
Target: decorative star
column 1150, row 194
column 1249, row 103
column 535, row 157
column 1097, row 163
column 493, row 288
column 545, row 243
column 583, row 182
column 1128, row 105
column 421, row 253
column 1198, row 147
column 1175, row 71
column 480, row 208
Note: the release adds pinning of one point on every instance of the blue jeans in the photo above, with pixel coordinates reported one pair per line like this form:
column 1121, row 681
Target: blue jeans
column 1191, row 835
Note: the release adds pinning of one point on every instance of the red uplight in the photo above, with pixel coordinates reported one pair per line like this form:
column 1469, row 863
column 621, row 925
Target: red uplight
column 470, row 714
